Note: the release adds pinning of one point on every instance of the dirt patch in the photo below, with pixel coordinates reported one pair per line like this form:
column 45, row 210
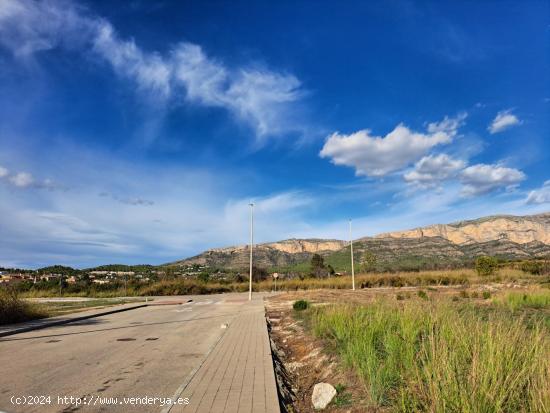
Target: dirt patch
column 301, row 362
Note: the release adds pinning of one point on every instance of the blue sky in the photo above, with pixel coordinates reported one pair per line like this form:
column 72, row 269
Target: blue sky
column 134, row 132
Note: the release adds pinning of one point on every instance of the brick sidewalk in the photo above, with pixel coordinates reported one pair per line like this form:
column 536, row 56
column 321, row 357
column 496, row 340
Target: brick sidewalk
column 237, row 376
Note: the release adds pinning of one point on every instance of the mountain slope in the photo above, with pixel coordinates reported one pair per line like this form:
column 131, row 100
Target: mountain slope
column 518, row 229
column 434, row 246
column 274, row 254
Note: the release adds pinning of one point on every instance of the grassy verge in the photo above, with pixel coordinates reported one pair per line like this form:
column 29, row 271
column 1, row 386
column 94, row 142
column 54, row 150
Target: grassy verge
column 441, row 356
column 15, row 310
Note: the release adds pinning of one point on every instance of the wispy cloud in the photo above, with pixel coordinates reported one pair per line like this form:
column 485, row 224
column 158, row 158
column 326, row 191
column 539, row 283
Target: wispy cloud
column 128, row 201
column 265, row 100
column 378, row 156
column 193, row 210
column 24, row 180
column 503, row 120
column 540, row 195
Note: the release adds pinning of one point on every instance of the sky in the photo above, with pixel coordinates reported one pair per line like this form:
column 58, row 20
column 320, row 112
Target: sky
column 139, row 132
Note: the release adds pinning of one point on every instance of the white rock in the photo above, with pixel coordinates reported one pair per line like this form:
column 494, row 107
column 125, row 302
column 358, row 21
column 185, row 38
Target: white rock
column 323, row 393
column 224, row 325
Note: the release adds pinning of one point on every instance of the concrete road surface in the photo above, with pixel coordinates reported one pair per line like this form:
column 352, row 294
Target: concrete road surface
column 104, row 362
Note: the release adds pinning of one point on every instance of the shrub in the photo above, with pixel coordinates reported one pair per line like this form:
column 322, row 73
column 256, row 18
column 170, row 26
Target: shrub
column 342, row 398
column 486, row 265
column 486, row 295
column 422, row 294
column 532, row 267
column 15, row 310
column 203, row 277
column 300, row 305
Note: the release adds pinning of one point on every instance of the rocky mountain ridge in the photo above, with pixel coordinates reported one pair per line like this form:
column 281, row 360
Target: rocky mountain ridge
column 506, row 236
column 518, row 229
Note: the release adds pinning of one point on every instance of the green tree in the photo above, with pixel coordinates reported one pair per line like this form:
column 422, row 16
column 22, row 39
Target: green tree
column 204, row 277
column 486, row 265
column 318, row 267
column 368, row 261
column 259, row 274
column 317, row 261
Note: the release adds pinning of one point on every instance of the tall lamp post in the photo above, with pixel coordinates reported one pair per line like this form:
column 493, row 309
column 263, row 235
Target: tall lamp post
column 251, row 247
column 351, row 249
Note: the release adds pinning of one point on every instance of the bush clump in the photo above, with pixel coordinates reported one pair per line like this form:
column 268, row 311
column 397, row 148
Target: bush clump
column 300, row 305
column 422, row 294
column 486, row 265
column 15, row 310
column 532, row 267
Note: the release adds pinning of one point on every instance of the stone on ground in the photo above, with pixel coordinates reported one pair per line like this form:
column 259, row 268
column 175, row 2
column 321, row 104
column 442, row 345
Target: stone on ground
column 323, row 393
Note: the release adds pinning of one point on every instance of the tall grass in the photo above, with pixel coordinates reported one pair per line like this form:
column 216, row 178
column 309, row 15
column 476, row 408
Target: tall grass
column 535, row 300
column 15, row 310
column 437, row 357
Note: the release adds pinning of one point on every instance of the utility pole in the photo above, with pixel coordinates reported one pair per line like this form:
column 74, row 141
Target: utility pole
column 251, row 248
column 351, row 249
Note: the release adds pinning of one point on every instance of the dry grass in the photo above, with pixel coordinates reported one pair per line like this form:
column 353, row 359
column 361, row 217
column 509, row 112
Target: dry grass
column 15, row 310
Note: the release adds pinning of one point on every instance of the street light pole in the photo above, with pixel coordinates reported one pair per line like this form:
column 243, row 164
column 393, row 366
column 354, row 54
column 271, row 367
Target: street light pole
column 251, row 248
column 351, row 249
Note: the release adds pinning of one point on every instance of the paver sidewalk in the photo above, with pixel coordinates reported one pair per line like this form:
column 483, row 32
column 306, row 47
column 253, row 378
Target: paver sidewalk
column 237, row 376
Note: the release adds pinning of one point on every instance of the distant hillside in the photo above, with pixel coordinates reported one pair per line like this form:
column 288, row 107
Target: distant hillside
column 275, row 254
column 435, row 246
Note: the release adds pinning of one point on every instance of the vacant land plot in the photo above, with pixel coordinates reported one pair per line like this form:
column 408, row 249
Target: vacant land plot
column 428, row 350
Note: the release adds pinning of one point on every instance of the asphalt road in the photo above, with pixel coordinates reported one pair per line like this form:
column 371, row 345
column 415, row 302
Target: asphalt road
column 148, row 352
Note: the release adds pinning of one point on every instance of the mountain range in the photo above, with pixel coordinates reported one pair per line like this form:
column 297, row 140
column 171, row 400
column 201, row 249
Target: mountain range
column 435, row 246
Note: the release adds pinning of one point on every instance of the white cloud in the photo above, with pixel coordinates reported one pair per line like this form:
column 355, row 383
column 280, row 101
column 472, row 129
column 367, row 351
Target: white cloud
column 540, row 196
column 22, row 179
column 481, row 178
column 263, row 99
column 379, row 156
column 433, row 169
column 26, row 180
column 504, row 120
column 27, row 26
